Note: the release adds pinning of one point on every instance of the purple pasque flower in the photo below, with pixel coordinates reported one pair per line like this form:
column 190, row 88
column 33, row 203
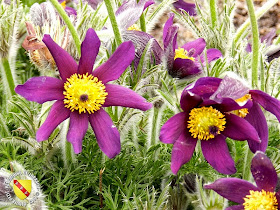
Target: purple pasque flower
column 267, row 39
column 81, row 93
column 190, row 8
column 247, row 195
column 236, row 90
column 184, row 61
column 210, row 121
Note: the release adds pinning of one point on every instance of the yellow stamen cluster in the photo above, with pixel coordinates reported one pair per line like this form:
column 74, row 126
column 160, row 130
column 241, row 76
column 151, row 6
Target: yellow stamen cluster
column 84, row 93
column 134, row 27
column 241, row 101
column 260, row 200
column 206, row 122
column 63, row 4
column 182, row 53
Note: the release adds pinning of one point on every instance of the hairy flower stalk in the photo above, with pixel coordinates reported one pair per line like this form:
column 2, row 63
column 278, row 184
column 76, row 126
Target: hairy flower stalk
column 69, row 24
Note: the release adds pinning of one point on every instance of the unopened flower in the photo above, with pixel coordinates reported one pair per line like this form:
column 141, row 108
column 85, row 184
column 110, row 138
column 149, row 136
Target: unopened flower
column 184, row 61
column 209, row 121
column 247, row 195
column 81, row 93
column 190, row 8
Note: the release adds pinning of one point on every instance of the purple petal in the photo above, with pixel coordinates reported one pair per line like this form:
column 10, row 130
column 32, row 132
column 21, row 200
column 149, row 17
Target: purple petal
column 230, row 88
column 240, row 129
column 217, row 154
column 257, row 119
column 140, row 40
column 212, row 54
column 170, row 44
column 129, row 12
column 65, row 63
column 107, row 135
column 226, row 104
column 173, row 128
column 148, row 3
column 77, row 130
column 89, row 50
column 233, row 189
column 197, row 46
column 57, row 114
column 205, row 86
column 236, row 207
column 184, row 68
column 113, row 68
column 188, row 7
column 167, row 25
column 70, row 11
column 263, row 172
column 182, row 151
column 248, row 48
column 267, row 102
column 93, row 3
column 122, row 96
column 41, row 89
column 268, row 37
column 189, row 100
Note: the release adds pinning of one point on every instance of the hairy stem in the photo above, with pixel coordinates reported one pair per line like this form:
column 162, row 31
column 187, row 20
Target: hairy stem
column 69, row 24
column 7, row 77
column 213, row 12
column 255, row 45
column 113, row 21
column 261, row 11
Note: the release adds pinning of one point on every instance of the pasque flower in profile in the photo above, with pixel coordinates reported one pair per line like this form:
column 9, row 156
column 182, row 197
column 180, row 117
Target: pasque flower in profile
column 81, row 93
column 185, row 61
column 209, row 121
column 247, row 195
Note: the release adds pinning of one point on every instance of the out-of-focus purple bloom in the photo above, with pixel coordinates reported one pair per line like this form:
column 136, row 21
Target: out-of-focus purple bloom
column 267, row 38
column 208, row 115
column 184, row 61
column 81, row 93
column 247, row 195
column 127, row 15
column 69, row 10
column 190, row 8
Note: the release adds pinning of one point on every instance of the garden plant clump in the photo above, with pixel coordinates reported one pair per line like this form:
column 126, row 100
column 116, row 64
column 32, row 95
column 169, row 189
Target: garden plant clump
column 139, row 104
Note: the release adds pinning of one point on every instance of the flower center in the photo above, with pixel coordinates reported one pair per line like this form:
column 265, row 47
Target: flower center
column 63, row 4
column 184, row 54
column 206, row 122
column 241, row 101
column 260, row 201
column 134, row 27
column 84, row 93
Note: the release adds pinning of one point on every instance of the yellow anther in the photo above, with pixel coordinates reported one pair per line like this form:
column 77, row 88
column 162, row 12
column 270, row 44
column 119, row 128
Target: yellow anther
column 260, row 200
column 182, row 53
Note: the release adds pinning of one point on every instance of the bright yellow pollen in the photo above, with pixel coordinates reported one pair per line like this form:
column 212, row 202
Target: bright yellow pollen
column 134, row 27
column 84, row 93
column 260, row 201
column 63, row 4
column 182, row 53
column 206, row 122
column 242, row 112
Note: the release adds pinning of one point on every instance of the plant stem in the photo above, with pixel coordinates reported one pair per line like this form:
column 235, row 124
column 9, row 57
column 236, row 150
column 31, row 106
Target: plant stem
column 261, row 11
column 7, row 76
column 113, row 21
column 69, row 24
column 143, row 23
column 255, row 44
column 246, row 174
column 213, row 12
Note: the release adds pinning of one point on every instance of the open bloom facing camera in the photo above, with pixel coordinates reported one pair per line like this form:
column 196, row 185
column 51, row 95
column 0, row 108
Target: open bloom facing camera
column 247, row 195
column 214, row 109
column 81, row 93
